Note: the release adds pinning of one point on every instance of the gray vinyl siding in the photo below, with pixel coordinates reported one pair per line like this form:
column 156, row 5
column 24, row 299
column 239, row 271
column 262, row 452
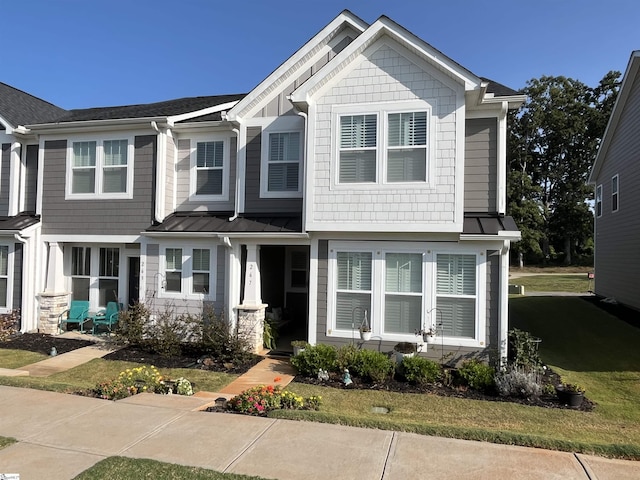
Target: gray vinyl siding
column 17, row 275
column 617, row 234
column 31, row 178
column 183, row 172
column 169, row 190
column 481, row 165
column 98, row 217
column 5, row 171
column 434, row 352
column 184, row 306
column 253, row 202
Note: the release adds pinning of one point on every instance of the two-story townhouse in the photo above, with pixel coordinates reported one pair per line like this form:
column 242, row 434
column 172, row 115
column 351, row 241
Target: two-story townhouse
column 369, row 182
column 364, row 178
column 19, row 223
column 616, row 177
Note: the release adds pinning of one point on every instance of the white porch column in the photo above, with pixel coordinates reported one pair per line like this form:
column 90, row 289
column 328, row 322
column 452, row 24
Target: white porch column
column 252, row 291
column 55, row 271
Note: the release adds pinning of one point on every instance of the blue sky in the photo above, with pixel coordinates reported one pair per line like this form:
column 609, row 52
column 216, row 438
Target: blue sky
column 89, row 53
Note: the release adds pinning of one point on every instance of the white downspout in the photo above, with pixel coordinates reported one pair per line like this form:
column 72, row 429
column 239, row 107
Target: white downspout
column 503, row 309
column 236, row 196
column 27, row 273
column 160, row 179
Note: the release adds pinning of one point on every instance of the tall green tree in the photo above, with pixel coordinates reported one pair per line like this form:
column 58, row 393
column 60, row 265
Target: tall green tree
column 553, row 141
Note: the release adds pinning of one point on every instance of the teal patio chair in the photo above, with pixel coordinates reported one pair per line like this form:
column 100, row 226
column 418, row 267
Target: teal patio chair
column 78, row 312
column 108, row 317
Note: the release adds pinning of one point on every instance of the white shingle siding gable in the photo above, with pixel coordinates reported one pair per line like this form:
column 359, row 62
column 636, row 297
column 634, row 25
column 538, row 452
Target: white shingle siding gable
column 385, row 76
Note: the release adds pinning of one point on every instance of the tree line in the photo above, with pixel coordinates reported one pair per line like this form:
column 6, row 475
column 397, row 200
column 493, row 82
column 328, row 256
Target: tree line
column 552, row 143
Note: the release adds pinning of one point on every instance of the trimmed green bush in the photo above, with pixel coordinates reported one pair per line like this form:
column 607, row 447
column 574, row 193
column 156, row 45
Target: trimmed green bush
column 477, row 375
column 314, row 358
column 348, row 357
column 374, row 365
column 421, row 370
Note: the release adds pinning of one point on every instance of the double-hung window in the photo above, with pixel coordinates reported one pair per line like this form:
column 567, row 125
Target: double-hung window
column 209, row 168
column 95, row 274
column 456, row 294
column 187, row 272
column 614, row 194
column 599, row 201
column 100, row 168
column 353, row 288
column 284, row 161
column 384, row 145
column 407, row 147
column 358, row 148
column 403, row 293
column 4, row 275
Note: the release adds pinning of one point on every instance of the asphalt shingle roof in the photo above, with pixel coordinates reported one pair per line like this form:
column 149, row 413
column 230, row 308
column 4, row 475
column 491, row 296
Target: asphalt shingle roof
column 20, row 108
column 498, row 89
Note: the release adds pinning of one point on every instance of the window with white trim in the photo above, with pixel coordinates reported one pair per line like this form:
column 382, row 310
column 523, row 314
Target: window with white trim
column 100, row 168
column 407, row 147
column 187, row 272
column 599, row 201
column 614, row 194
column 209, row 168
column 4, row 276
column 358, row 144
column 209, row 173
column 95, row 274
column 404, row 287
column 284, row 162
column 456, row 294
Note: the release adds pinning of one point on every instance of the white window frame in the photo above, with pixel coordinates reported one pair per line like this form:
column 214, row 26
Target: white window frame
column 615, row 194
column 598, row 202
column 193, row 171
column 429, row 251
column 382, row 111
column 94, row 276
column 9, row 276
column 186, row 291
column 99, row 168
column 280, row 125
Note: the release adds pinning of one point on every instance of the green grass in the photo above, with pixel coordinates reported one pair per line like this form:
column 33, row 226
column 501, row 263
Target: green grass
column 88, row 375
column 18, row 358
column 581, row 342
column 116, row 468
column 554, row 283
column 6, row 441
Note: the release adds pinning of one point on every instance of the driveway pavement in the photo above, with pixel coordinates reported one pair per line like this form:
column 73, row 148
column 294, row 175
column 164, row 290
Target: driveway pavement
column 61, row 435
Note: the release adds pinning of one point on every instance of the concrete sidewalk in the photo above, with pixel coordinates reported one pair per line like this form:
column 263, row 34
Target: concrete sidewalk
column 61, row 435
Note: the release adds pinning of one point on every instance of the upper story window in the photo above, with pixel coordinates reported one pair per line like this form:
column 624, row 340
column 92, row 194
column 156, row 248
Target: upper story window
column 285, row 155
column 4, row 276
column 210, row 160
column 282, row 157
column 100, row 168
column 599, row 201
column 383, row 145
column 614, row 194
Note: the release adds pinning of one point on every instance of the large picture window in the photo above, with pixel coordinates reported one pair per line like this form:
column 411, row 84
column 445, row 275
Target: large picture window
column 456, row 294
column 403, row 293
column 100, row 169
column 353, row 294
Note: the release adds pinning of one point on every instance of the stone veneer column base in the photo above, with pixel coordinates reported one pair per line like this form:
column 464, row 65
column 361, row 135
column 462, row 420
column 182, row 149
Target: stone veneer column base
column 251, row 325
column 51, row 306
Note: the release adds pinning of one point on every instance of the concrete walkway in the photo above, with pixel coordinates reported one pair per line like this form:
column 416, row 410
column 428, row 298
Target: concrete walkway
column 61, row 435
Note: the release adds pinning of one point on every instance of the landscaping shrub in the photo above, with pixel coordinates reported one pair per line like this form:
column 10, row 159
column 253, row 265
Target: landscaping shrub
column 524, row 350
column 9, row 324
column 218, row 339
column 132, row 324
column 421, row 370
column 314, row 358
column 375, row 366
column 348, row 357
column 518, row 382
column 264, row 398
column 167, row 334
column 477, row 375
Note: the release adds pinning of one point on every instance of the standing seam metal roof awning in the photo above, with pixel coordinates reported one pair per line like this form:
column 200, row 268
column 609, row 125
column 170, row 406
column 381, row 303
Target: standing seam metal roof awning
column 485, row 224
column 219, row 223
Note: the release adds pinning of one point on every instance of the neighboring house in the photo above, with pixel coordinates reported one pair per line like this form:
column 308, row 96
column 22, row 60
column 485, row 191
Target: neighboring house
column 616, row 176
column 365, row 176
column 19, row 225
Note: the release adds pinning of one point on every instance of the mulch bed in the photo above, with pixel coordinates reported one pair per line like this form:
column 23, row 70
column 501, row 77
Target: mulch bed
column 194, row 358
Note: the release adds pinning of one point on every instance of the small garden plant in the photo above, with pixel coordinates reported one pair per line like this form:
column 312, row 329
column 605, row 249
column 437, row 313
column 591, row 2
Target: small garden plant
column 264, row 398
column 141, row 379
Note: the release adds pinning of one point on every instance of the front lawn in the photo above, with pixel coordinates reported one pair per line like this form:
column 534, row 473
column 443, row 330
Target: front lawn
column 581, row 342
column 554, row 283
column 10, row 358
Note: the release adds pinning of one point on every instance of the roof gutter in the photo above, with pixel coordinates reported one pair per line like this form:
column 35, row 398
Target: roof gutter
column 512, row 236
column 257, row 235
column 110, row 122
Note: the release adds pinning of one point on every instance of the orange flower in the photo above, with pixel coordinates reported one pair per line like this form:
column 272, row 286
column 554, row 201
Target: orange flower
column 277, row 379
